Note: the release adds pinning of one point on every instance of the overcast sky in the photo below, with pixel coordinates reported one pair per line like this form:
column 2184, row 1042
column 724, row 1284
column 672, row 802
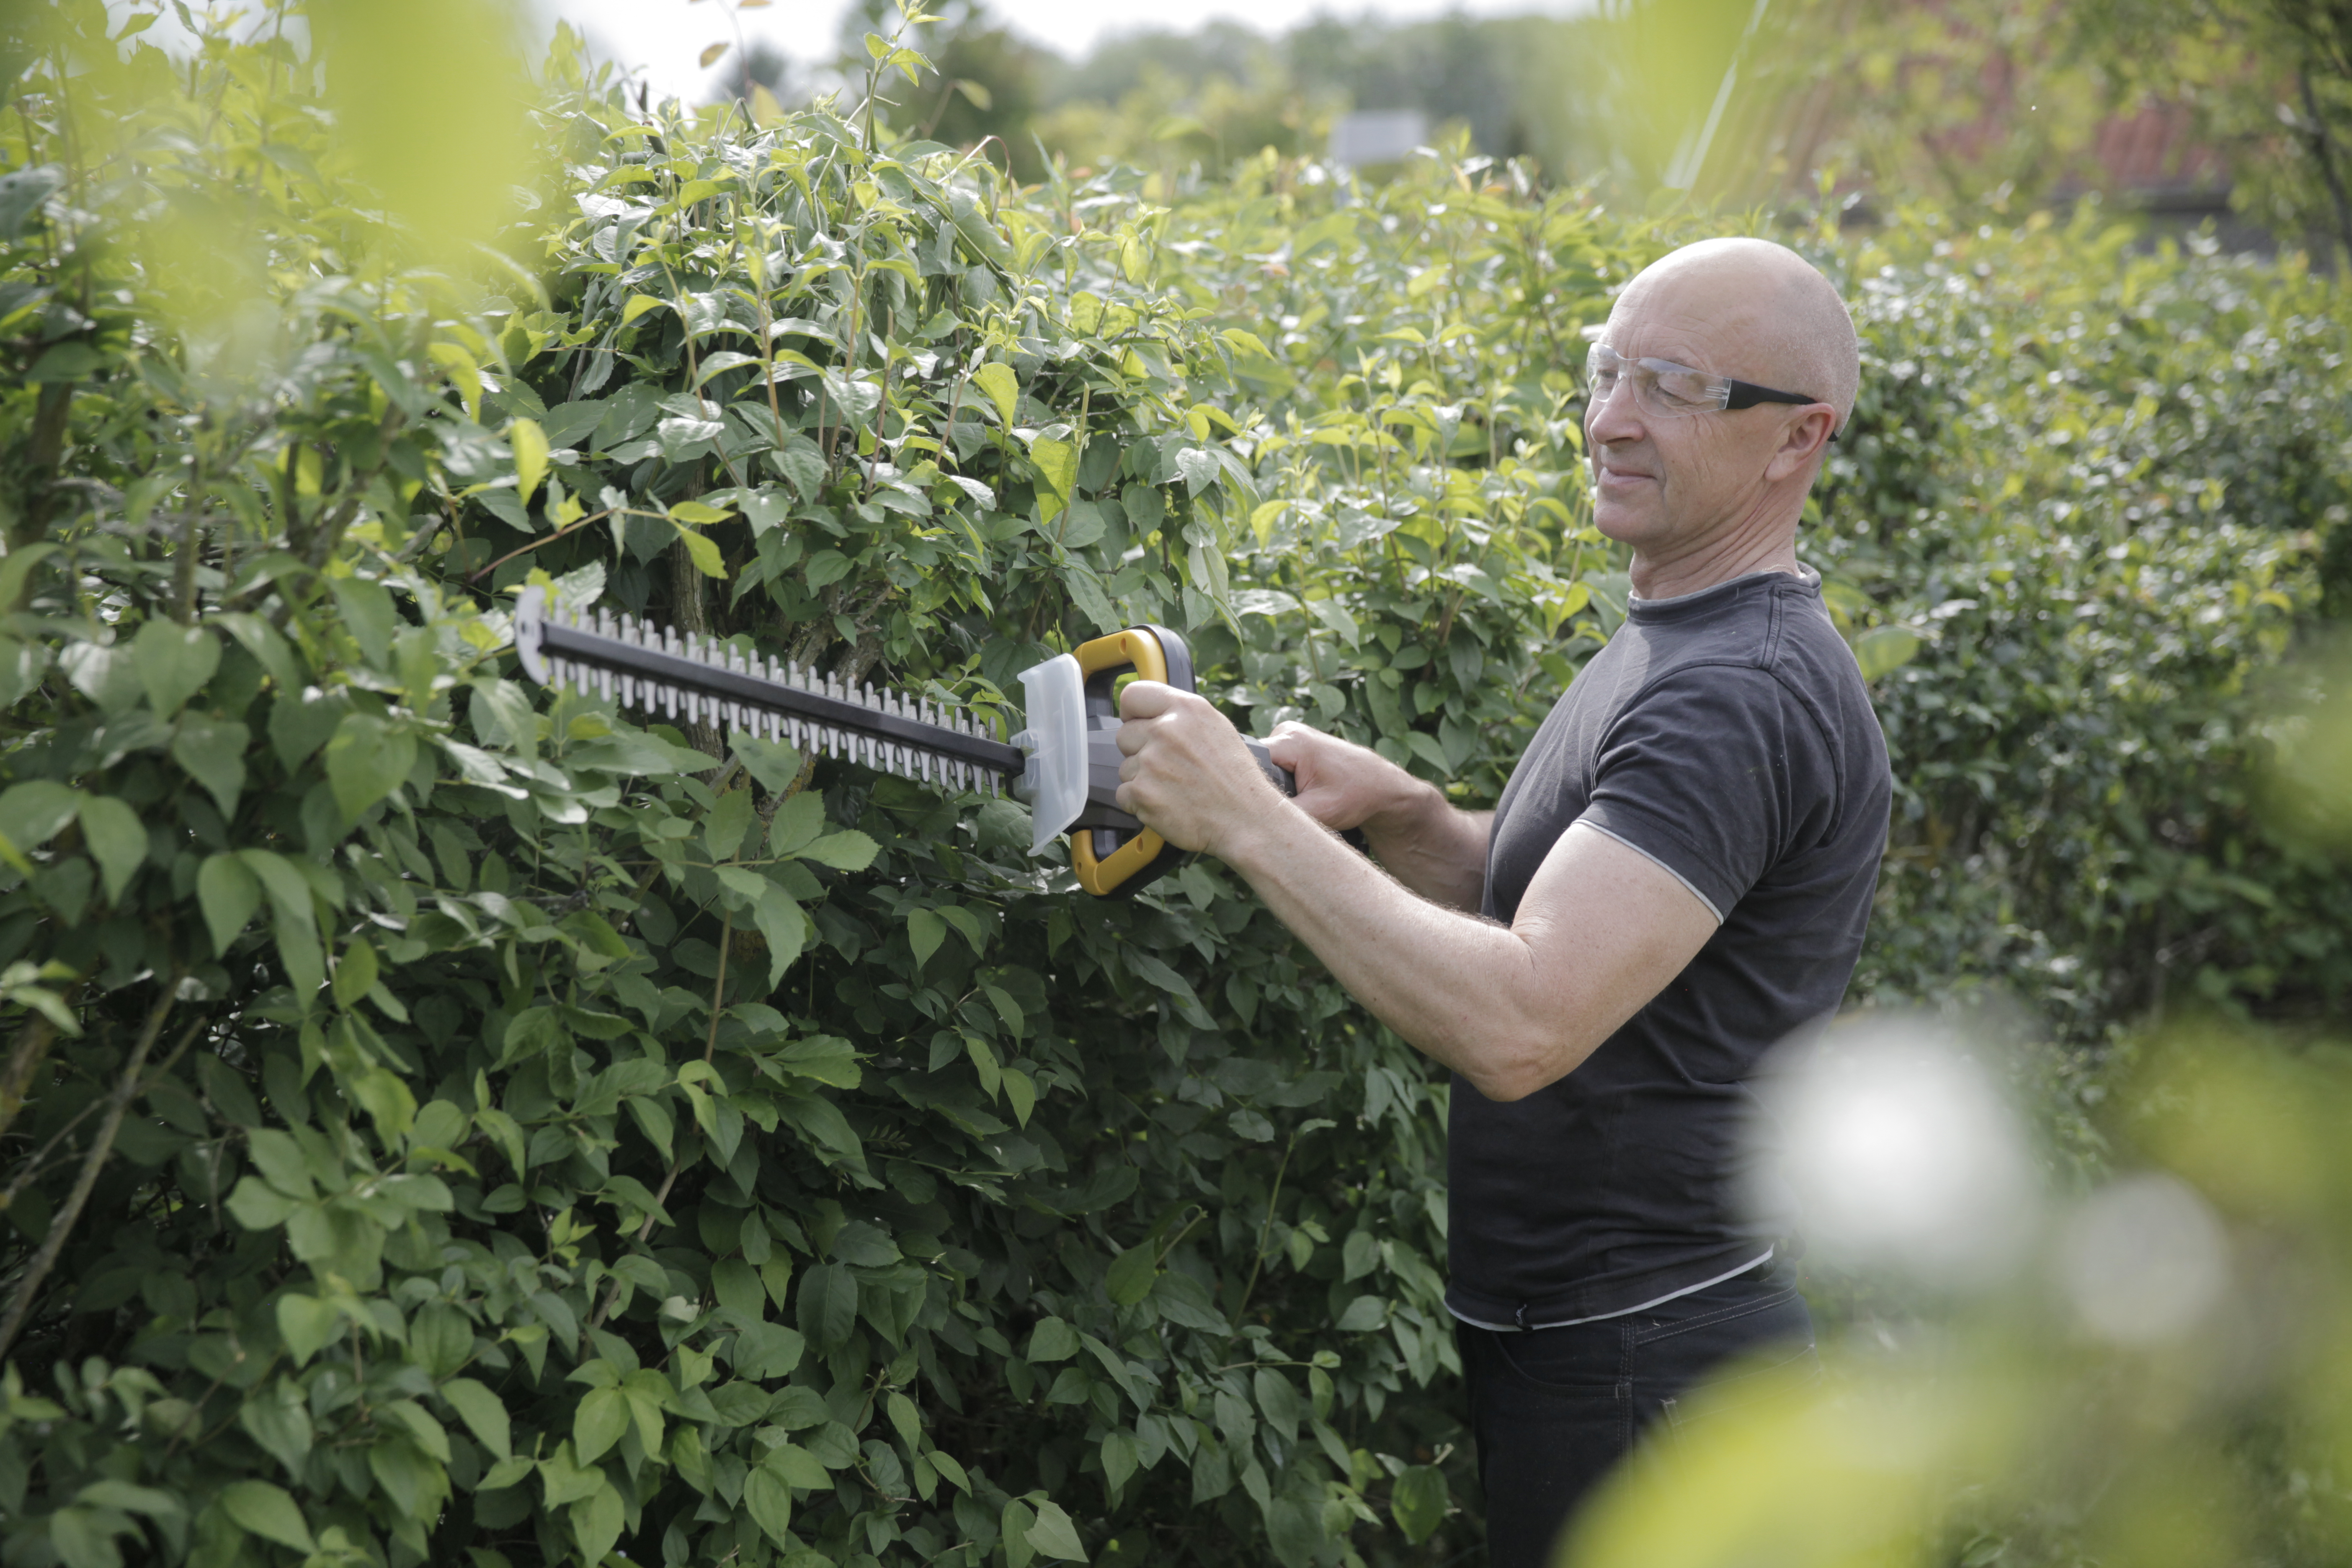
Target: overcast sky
column 665, row 37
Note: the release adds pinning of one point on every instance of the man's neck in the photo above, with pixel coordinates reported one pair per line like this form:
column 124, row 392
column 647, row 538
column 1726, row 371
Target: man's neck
column 1718, row 562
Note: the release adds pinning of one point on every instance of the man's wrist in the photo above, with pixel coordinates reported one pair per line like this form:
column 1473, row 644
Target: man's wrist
column 1412, row 807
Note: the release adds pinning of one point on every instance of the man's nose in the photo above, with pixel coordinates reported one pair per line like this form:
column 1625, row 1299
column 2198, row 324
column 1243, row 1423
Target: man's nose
column 1613, row 418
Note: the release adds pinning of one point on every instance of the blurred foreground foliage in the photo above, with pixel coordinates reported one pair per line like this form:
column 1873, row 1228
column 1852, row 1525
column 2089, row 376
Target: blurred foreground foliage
column 2161, row 1383
column 439, row 1119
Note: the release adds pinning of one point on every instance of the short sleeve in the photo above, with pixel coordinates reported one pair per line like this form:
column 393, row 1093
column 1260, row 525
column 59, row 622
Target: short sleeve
column 1715, row 772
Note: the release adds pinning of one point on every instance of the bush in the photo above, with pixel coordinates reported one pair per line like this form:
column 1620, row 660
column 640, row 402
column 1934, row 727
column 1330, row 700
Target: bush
column 2092, row 494
column 531, row 1136
column 442, row 1118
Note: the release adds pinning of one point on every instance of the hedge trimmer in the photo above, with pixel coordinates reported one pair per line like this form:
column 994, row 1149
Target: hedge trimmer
column 1064, row 766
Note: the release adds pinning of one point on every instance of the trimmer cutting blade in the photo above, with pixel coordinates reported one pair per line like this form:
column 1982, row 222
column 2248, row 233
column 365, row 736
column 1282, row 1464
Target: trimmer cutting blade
column 1065, row 765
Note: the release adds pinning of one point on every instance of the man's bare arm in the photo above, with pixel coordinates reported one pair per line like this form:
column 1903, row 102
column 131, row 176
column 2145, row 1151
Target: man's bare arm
column 1429, row 844
column 1601, row 930
column 1419, row 836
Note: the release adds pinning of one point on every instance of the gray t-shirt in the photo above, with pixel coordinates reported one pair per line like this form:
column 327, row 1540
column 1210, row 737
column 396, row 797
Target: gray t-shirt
column 1727, row 736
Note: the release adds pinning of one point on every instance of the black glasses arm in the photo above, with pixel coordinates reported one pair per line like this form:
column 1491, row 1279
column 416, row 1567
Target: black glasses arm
column 1747, row 394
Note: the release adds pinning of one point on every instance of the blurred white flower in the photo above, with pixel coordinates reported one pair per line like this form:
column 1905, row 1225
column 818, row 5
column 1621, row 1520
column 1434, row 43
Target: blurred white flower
column 1897, row 1153
column 2143, row 1259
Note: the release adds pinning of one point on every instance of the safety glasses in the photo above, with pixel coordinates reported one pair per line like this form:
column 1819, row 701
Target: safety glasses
column 1665, row 390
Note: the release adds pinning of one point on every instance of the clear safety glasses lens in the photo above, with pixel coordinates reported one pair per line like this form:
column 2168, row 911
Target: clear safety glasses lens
column 1662, row 388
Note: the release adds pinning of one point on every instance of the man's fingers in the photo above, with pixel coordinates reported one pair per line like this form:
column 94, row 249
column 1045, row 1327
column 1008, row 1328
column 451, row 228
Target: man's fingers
column 1147, row 699
column 1290, row 742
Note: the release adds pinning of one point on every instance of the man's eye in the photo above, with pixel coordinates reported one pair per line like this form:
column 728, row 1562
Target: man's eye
column 1682, row 390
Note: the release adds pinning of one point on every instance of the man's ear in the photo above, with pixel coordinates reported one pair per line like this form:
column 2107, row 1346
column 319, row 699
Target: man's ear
column 1808, row 431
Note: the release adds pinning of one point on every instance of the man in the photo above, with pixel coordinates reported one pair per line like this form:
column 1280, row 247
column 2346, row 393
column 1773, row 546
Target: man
column 1678, row 874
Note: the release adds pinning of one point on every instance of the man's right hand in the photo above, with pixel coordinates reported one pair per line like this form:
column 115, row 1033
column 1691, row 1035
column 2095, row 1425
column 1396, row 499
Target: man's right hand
column 1426, row 843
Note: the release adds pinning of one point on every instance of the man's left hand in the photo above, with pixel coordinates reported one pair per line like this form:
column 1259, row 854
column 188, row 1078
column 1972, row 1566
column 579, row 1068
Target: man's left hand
column 1187, row 775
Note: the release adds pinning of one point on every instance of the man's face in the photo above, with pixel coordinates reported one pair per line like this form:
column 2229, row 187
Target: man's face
column 1662, row 484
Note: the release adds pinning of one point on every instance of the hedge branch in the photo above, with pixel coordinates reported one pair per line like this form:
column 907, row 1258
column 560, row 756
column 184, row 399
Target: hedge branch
column 101, row 1144
column 25, row 1059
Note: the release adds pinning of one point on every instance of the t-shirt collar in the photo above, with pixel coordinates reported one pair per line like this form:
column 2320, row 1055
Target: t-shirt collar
column 1805, row 578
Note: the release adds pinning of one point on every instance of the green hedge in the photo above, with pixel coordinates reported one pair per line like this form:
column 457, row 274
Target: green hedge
column 439, row 1119
column 530, row 1137
column 2092, row 493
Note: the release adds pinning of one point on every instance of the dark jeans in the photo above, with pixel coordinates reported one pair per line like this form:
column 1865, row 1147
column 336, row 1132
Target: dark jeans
column 1553, row 1410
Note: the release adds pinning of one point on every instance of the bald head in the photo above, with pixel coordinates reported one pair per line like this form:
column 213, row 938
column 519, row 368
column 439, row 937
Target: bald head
column 1774, row 319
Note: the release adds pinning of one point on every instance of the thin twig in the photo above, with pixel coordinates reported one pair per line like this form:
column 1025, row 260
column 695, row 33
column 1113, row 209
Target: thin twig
column 568, row 528
column 612, row 1296
column 33, row 1166
column 101, row 1144
column 719, row 987
column 1259, row 1261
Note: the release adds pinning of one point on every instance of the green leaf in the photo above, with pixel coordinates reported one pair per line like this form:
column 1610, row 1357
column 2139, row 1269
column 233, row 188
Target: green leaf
column 1087, row 594
column 848, row 850
column 1053, row 1535
column 173, row 661
column 33, row 813
column 1129, row 1278
column 268, row 1512
column 781, row 926
column 768, row 1498
column 18, row 563
column 904, row 1419
column 529, row 445
column 924, row 931
column 281, row 1162
column 356, row 972
column 1118, row 1458
column 277, row 1417
column 294, row 926
column 596, row 1522
column 950, row 1466
column 257, row 1206
column 598, row 1422
column 482, row 1412
column 1419, row 1502
column 84, row 1537
column 1334, row 615
column 368, row 614
column 793, row 1463
column 566, row 1481
column 998, row 385
column 1058, row 465
column 212, row 753
column 1883, row 649
column 366, row 760
column 699, row 513
column 797, row 822
column 228, row 894
column 736, row 1285
column 828, row 1308
column 703, row 551
column 773, row 764
column 1052, row 1340
column 1150, row 968
column 117, row 840
column 724, row 825
column 639, row 305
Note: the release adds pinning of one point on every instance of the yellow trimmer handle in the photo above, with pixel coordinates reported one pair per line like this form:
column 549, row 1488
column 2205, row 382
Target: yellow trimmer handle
column 1113, row 853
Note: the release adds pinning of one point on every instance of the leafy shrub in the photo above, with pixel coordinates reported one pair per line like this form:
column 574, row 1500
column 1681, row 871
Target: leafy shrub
column 443, row 1118
column 528, row 1135
column 2092, row 493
